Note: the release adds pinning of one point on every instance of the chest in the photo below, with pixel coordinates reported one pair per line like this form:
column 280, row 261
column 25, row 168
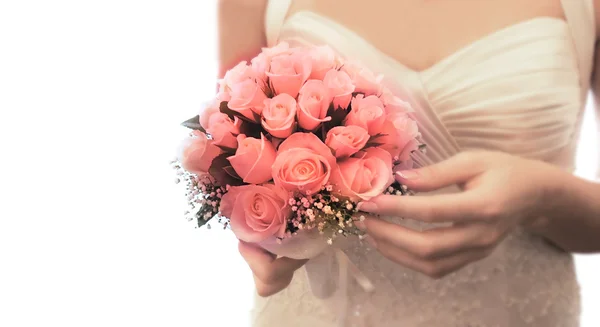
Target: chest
column 427, row 31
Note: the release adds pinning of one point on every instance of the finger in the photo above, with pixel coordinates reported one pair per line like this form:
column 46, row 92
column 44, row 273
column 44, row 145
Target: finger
column 265, row 289
column 463, row 206
column 456, row 170
column 433, row 268
column 266, row 266
column 434, row 243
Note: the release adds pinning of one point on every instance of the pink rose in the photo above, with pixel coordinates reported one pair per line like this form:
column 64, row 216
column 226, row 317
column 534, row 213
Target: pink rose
column 367, row 113
column 394, row 104
column 279, row 49
column 303, row 164
column 365, row 80
column 323, row 60
column 340, row 88
column 223, row 130
column 346, row 140
column 398, row 135
column 260, row 65
column 365, row 175
column 238, row 74
column 288, row 71
column 247, row 98
column 313, row 103
column 253, row 159
column 256, row 212
column 206, row 114
column 262, row 62
column 279, row 115
column 197, row 153
column 220, row 126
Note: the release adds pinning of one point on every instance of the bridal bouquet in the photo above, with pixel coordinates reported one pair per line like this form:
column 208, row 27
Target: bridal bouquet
column 292, row 142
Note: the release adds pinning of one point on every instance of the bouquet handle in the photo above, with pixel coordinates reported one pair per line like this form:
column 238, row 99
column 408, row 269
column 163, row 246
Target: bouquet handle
column 324, row 286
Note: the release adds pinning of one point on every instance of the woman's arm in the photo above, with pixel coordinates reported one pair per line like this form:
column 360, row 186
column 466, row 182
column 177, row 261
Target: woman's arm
column 241, row 31
column 596, row 84
column 573, row 219
column 241, row 38
column 574, row 224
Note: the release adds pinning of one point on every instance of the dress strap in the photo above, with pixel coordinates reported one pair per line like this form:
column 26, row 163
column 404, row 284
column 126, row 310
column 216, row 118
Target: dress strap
column 580, row 16
column 581, row 20
column 274, row 19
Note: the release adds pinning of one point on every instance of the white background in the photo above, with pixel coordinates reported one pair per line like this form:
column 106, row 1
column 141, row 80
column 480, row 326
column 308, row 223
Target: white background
column 92, row 230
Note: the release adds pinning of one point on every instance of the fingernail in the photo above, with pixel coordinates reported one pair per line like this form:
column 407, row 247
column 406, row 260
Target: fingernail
column 360, row 224
column 407, row 174
column 371, row 241
column 366, row 206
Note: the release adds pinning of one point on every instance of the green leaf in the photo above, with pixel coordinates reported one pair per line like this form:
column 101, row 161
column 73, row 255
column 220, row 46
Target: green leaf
column 194, row 123
column 251, row 130
column 220, row 170
column 229, row 170
column 268, row 90
column 372, row 145
column 373, row 139
column 226, row 149
column 224, row 108
column 200, row 219
column 337, row 117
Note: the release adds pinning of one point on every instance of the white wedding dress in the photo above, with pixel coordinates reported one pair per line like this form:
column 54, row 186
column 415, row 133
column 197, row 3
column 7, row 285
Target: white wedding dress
column 520, row 90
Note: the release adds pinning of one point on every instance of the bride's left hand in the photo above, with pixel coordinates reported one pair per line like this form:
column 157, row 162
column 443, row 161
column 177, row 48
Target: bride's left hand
column 500, row 192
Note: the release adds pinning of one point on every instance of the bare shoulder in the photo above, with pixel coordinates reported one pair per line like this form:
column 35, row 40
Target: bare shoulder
column 597, row 12
column 256, row 5
column 241, row 30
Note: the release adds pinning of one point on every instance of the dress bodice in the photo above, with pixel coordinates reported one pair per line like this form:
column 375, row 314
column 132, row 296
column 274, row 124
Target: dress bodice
column 519, row 90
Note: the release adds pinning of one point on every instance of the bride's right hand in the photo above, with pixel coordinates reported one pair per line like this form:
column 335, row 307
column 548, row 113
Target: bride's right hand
column 271, row 274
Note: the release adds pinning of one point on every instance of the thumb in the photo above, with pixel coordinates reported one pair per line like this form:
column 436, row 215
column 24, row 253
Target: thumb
column 455, row 170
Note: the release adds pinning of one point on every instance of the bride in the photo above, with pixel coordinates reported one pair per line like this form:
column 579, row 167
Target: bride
column 500, row 87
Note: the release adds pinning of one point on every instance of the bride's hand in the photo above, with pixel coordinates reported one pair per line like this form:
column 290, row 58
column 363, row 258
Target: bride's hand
column 271, row 274
column 500, row 192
